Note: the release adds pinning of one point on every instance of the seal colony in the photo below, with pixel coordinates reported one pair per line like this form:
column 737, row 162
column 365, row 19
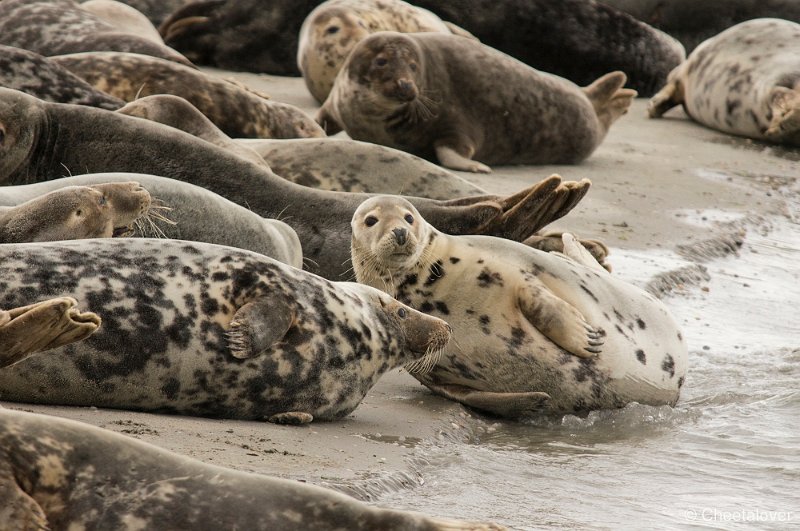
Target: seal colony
column 467, row 104
column 536, row 331
column 49, row 470
column 745, row 81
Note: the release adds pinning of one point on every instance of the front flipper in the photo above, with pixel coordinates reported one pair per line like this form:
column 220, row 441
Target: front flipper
column 329, row 124
column 560, row 321
column 259, row 324
column 291, row 418
column 19, row 511
column 509, row 405
column 553, row 242
column 450, row 158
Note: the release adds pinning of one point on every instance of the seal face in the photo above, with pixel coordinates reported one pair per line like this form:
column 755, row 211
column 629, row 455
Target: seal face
column 429, row 94
column 745, row 81
column 198, row 329
column 49, row 470
column 76, row 212
column 533, row 330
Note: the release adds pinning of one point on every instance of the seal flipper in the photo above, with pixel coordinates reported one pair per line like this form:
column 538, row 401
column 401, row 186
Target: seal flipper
column 19, row 511
column 509, row 405
column 461, row 32
column 577, row 252
column 666, row 98
column 259, row 324
column 552, row 241
column 785, row 106
column 559, row 321
column 292, row 418
column 325, row 119
column 449, row 157
column 609, row 99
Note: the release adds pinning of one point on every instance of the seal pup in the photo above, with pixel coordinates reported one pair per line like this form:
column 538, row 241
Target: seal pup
column 534, row 331
column 56, row 27
column 463, row 102
column 745, row 81
column 236, row 109
column 199, row 329
column 43, row 326
column 36, row 75
column 189, row 212
column 49, row 470
column 95, row 140
column 123, row 17
column 107, row 210
column 334, row 27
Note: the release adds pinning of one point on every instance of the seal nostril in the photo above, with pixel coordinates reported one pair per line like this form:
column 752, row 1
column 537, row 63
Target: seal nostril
column 400, row 235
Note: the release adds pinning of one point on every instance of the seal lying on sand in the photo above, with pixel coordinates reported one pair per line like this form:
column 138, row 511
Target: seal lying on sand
column 56, row 27
column 49, row 471
column 744, row 81
column 42, row 326
column 331, row 31
column 534, row 331
column 94, row 140
column 234, row 108
column 458, row 100
column 73, row 213
column 199, row 329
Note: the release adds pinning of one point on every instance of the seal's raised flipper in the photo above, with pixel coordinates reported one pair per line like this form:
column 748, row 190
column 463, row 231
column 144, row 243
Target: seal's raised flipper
column 293, row 418
column 19, row 511
column 609, row 99
column 666, row 98
column 328, row 123
column 560, row 321
column 259, row 324
column 578, row 252
column 552, row 242
column 511, row 405
column 785, row 106
column 449, row 157
column 43, row 326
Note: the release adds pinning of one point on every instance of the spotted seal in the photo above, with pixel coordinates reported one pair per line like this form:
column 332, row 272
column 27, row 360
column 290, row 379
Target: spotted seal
column 535, row 331
column 199, row 329
column 75, row 212
column 42, row 326
column 334, row 27
column 123, row 17
column 744, row 81
column 463, row 102
column 187, row 212
column 233, row 107
column 56, row 27
column 95, row 140
column 50, row 469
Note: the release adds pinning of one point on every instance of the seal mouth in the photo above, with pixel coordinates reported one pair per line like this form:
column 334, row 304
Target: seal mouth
column 426, row 363
column 122, row 232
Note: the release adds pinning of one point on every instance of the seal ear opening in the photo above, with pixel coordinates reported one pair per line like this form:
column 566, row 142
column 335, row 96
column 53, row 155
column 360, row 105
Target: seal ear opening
column 259, row 324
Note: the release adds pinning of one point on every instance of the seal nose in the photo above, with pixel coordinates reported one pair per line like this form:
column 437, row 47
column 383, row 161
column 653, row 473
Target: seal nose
column 406, row 90
column 400, row 236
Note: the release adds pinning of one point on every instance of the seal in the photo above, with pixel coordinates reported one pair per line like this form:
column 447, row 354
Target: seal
column 334, row 27
column 237, row 110
column 123, row 17
column 42, row 326
column 535, row 331
column 183, row 211
column 198, row 329
column 38, row 76
column 745, row 81
column 157, row 11
column 56, row 27
column 95, row 140
column 456, row 99
column 49, row 466
column 75, row 212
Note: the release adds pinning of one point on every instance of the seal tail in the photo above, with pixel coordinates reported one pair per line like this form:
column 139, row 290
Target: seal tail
column 609, row 99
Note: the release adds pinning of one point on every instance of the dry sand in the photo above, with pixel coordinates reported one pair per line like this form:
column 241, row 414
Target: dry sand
column 644, row 174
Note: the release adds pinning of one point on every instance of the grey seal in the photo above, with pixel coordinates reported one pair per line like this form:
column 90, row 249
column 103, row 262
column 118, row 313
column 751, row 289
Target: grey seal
column 123, row 17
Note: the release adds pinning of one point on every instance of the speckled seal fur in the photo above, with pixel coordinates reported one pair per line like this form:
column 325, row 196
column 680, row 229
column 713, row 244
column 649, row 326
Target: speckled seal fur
column 61, row 474
column 237, row 110
column 123, row 17
column 467, row 104
column 56, row 27
column 188, row 213
column 331, row 31
column 744, row 81
column 198, row 329
column 42, row 326
column 533, row 331
column 45, row 141
column 104, row 210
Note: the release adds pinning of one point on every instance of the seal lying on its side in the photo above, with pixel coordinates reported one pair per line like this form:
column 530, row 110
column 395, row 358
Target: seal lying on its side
column 50, row 470
column 234, row 108
column 123, row 17
column 744, row 81
column 76, row 212
column 42, row 326
column 94, row 140
column 458, row 100
column 535, row 331
column 199, row 329
column 191, row 213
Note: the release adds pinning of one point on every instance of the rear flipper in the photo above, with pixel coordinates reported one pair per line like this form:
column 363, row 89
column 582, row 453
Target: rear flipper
column 509, row 405
column 609, row 99
column 666, row 98
column 785, row 124
column 577, row 251
column 291, row 418
column 259, row 324
column 553, row 242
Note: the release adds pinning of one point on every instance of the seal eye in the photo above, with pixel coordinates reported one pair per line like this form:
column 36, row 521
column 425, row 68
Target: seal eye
column 381, row 61
column 2, row 135
column 370, row 221
column 332, row 30
column 409, row 219
column 79, row 212
column 402, row 313
column 413, row 67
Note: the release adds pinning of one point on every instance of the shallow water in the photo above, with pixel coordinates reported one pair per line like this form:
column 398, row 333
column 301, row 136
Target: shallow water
column 727, row 456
